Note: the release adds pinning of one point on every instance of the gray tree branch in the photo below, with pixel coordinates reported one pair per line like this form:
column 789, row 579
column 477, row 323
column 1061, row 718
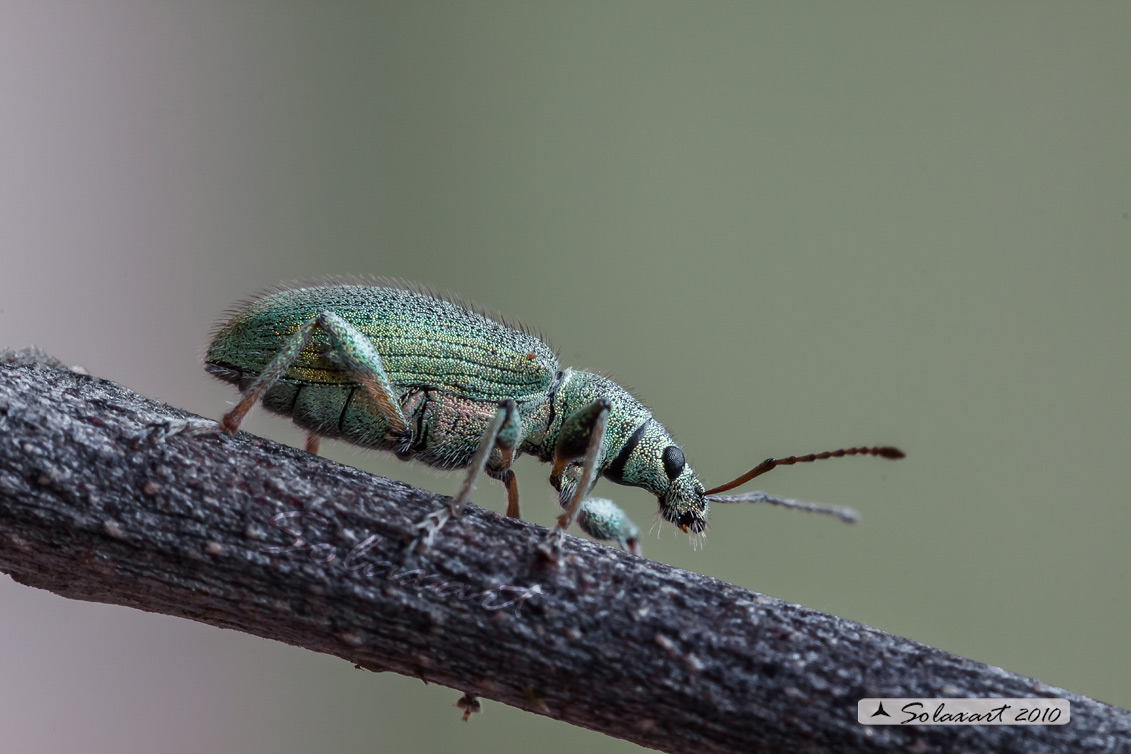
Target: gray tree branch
column 108, row 496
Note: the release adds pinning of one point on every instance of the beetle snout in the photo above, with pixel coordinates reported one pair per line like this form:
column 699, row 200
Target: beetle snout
column 684, row 504
column 693, row 522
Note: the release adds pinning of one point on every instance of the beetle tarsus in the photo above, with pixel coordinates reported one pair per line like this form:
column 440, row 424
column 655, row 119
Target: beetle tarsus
column 551, row 546
column 429, row 527
column 159, row 431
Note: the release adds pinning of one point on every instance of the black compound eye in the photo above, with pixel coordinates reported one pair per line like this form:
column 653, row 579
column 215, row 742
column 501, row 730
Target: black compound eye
column 673, row 461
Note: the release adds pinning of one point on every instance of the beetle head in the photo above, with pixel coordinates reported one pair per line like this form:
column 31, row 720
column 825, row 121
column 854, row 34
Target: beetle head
column 649, row 458
column 680, row 493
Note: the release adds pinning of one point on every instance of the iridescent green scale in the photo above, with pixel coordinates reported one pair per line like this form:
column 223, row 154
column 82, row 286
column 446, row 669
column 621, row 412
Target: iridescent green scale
column 423, row 341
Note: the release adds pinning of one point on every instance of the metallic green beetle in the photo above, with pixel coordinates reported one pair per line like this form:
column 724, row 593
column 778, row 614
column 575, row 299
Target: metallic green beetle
column 393, row 367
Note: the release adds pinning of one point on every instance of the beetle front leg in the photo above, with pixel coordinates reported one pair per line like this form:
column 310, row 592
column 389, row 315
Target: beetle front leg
column 599, row 517
column 349, row 349
column 503, row 433
column 604, row 520
column 580, row 437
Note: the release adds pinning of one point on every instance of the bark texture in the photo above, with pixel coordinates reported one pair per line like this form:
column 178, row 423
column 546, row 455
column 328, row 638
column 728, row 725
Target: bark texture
column 108, row 496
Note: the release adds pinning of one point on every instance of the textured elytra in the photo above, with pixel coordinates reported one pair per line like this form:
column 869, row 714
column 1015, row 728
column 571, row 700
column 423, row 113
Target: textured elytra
column 423, row 340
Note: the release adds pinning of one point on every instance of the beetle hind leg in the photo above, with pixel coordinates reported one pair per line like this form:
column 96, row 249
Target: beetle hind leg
column 349, row 349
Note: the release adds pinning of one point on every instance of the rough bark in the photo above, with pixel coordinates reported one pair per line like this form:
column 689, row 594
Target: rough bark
column 108, row 496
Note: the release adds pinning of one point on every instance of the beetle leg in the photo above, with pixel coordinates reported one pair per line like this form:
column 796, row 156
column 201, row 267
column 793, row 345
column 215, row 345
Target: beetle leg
column 351, row 351
column 603, row 519
column 580, row 437
column 507, row 477
column 312, row 443
column 502, row 433
column 600, row 518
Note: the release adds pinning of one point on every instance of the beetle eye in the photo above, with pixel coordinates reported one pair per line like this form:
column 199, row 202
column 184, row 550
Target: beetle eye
column 673, row 461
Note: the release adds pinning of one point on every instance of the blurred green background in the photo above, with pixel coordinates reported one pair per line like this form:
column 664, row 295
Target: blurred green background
column 787, row 227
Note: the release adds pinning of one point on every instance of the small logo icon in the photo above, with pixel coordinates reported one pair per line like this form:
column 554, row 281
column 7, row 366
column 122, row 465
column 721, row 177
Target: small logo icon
column 880, row 711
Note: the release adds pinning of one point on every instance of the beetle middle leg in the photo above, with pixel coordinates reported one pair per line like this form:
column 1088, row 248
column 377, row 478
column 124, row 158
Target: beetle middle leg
column 506, row 476
column 502, row 433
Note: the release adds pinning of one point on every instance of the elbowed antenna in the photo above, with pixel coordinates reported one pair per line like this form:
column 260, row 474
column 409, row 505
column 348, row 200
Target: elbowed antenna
column 883, row 452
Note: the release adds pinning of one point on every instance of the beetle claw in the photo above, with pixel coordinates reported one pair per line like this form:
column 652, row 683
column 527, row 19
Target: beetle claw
column 551, row 547
column 431, row 524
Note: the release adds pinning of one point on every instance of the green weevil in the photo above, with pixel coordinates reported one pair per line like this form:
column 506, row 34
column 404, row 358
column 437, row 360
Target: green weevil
column 394, row 367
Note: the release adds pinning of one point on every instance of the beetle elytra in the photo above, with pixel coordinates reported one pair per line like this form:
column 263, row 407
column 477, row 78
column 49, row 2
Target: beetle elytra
column 392, row 367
